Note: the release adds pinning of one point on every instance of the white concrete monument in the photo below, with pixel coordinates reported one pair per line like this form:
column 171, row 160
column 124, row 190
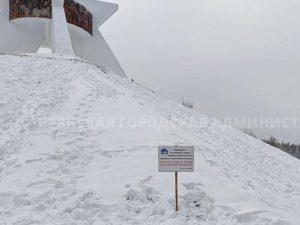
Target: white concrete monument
column 68, row 27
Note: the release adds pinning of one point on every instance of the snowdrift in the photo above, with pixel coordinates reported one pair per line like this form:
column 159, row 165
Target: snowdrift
column 78, row 146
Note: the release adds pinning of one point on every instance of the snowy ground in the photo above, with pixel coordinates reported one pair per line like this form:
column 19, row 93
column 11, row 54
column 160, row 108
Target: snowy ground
column 78, row 146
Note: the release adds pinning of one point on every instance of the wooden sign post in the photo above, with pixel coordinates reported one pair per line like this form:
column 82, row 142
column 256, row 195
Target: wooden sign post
column 176, row 192
column 176, row 159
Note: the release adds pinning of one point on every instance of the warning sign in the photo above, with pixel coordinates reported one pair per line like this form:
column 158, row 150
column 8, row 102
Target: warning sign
column 176, row 159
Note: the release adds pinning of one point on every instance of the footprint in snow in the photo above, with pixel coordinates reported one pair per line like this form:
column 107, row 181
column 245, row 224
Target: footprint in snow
column 69, row 143
column 192, row 186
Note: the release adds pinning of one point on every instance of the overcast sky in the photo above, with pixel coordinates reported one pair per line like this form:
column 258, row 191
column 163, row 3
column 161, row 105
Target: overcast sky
column 234, row 58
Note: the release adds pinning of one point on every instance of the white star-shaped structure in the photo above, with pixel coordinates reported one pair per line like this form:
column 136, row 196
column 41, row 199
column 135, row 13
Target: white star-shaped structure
column 68, row 27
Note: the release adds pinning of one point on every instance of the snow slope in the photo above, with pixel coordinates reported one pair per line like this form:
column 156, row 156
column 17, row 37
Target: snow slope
column 78, row 146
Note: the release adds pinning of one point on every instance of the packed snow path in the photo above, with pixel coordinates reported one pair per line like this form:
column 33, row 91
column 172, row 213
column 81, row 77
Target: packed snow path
column 78, row 146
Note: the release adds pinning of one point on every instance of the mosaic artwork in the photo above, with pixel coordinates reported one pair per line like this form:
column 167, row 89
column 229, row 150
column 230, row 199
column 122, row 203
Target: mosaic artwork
column 30, row 8
column 78, row 15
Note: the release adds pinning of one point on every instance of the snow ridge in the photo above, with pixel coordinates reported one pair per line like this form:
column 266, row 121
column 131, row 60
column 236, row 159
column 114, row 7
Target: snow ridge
column 72, row 152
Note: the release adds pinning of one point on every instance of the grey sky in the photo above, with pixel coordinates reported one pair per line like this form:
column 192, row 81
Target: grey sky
column 232, row 58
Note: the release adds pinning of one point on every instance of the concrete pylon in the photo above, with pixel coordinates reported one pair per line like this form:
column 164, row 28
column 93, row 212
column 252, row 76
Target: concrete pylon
column 59, row 35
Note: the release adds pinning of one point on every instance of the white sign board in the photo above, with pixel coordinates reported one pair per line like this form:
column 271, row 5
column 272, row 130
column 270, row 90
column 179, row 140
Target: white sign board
column 175, row 159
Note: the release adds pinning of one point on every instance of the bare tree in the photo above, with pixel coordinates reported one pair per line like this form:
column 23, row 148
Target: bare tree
column 291, row 149
column 249, row 132
column 187, row 103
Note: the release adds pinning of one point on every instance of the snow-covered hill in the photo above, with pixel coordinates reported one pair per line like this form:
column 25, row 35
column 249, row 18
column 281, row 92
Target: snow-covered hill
column 78, row 146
